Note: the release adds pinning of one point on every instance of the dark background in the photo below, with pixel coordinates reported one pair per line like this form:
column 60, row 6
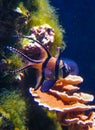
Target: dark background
column 78, row 19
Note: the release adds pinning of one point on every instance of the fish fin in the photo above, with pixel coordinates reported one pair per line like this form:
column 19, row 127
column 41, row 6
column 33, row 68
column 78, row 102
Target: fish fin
column 45, row 53
column 39, row 80
column 23, row 55
column 58, row 54
column 73, row 66
column 20, row 69
column 47, row 84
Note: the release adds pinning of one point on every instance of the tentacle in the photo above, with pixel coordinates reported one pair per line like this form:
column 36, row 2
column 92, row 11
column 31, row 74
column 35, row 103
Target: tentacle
column 23, row 55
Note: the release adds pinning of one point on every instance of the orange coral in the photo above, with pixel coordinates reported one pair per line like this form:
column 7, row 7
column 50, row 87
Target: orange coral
column 70, row 106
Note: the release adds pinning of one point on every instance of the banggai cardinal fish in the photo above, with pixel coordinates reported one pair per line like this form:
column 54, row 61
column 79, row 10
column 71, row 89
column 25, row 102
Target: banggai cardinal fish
column 49, row 68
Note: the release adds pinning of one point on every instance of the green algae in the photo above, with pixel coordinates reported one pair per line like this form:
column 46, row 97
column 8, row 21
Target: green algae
column 14, row 61
column 41, row 12
column 13, row 107
column 52, row 115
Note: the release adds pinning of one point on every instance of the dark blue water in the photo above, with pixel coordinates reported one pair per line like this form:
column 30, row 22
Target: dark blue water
column 78, row 19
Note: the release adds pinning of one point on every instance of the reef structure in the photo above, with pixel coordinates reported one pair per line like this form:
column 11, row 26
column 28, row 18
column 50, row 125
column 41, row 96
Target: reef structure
column 69, row 105
column 44, row 34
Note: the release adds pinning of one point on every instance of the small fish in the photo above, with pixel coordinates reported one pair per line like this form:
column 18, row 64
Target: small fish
column 50, row 69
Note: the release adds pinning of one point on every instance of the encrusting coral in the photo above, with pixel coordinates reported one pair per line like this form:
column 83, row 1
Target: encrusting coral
column 69, row 105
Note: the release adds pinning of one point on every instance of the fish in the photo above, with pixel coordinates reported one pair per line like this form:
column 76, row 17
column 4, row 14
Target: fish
column 49, row 68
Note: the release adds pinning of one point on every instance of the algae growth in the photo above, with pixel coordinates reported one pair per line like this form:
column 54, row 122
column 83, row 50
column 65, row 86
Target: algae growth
column 14, row 113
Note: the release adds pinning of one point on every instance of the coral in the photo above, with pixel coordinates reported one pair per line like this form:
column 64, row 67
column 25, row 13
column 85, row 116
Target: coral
column 70, row 106
column 12, row 24
column 44, row 34
column 42, row 13
column 13, row 109
column 40, row 119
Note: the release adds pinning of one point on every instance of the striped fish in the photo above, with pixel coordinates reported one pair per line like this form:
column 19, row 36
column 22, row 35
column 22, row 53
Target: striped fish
column 50, row 69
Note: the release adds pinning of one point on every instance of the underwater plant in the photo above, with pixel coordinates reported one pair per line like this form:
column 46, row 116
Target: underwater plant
column 56, row 92
column 41, row 13
column 15, row 16
column 12, row 110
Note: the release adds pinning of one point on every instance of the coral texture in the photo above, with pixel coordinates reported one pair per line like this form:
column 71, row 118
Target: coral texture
column 41, row 12
column 44, row 34
column 69, row 105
